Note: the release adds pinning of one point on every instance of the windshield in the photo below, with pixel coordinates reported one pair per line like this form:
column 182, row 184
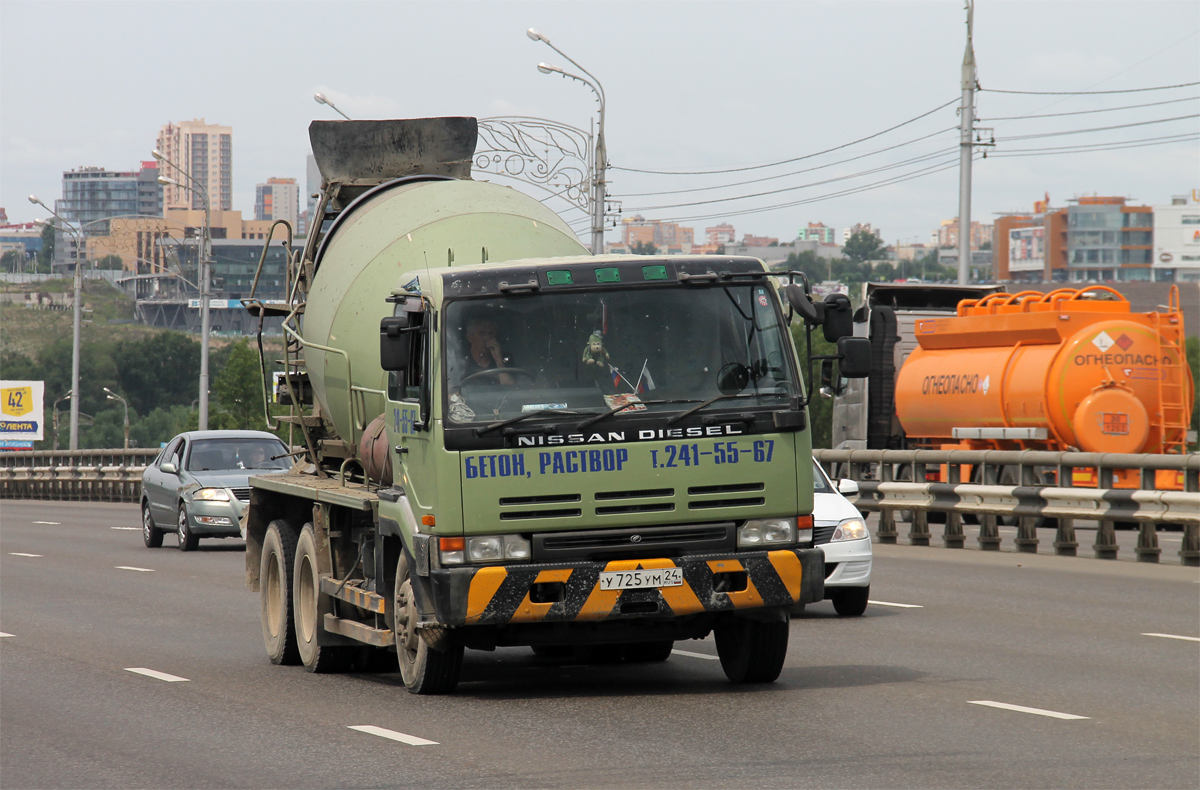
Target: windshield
column 821, row 484
column 226, row 455
column 592, row 352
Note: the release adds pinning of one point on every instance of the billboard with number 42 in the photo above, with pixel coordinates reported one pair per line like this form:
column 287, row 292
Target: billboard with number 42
column 21, row 410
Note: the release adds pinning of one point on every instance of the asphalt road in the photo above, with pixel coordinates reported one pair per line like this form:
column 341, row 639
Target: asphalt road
column 887, row 700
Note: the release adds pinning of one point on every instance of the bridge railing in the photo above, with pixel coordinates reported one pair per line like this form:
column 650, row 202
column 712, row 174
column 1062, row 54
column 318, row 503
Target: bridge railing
column 1040, row 490
column 74, row 475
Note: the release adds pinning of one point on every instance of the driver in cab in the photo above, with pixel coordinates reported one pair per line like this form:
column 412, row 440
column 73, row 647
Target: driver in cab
column 483, row 350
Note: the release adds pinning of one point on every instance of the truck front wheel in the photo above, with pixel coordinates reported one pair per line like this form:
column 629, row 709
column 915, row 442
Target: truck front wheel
column 423, row 669
column 275, row 571
column 310, row 608
column 752, row 651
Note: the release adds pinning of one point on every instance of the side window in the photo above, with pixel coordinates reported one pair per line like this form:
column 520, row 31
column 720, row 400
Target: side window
column 168, row 453
column 177, row 456
column 408, row 384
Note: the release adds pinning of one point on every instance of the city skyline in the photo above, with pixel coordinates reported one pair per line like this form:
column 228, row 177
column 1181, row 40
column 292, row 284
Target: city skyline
column 671, row 107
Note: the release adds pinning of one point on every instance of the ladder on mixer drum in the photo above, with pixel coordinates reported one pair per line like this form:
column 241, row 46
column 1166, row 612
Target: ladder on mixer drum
column 1173, row 416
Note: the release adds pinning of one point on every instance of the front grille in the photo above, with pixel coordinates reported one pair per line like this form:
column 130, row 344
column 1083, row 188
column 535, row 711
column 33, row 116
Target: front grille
column 725, row 489
column 646, row 492
column 648, row 507
column 514, row 515
column 242, row 494
column 823, row 533
column 634, row 542
column 704, row 504
column 538, row 500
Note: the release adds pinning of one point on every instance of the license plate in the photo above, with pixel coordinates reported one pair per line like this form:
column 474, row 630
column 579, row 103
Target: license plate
column 641, row 579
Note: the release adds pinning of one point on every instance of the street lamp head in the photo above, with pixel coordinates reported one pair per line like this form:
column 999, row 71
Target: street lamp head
column 106, row 389
column 168, row 181
column 159, row 155
column 33, row 199
column 546, row 68
column 319, row 98
column 536, row 36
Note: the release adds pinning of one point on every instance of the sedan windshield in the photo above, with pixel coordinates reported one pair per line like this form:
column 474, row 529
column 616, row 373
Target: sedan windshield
column 666, row 349
column 226, row 455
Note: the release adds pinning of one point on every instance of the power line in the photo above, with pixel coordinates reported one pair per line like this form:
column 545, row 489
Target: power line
column 1101, row 128
column 1092, row 93
column 782, row 161
column 1087, row 149
column 938, row 154
column 792, row 173
column 1087, row 112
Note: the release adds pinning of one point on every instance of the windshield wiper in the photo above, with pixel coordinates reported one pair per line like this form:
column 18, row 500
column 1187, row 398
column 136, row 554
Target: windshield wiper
column 613, row 411
column 711, row 401
column 520, row 417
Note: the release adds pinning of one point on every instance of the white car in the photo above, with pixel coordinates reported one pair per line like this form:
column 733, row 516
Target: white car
column 841, row 532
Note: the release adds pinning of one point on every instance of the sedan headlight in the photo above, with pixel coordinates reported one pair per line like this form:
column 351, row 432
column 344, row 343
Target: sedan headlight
column 766, row 532
column 212, row 495
column 850, row 529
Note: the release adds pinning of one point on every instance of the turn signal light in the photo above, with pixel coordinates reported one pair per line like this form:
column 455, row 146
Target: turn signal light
column 428, row 520
column 450, row 544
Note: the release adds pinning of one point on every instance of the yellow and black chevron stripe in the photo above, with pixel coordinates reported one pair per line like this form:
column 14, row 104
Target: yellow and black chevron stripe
column 498, row 595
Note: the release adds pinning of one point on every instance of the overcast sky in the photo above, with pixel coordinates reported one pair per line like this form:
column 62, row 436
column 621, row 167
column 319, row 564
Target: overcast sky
column 691, row 86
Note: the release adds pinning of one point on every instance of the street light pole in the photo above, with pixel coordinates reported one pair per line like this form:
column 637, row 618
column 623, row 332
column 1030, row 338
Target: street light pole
column 77, row 317
column 114, row 396
column 599, row 184
column 60, row 400
column 320, row 98
column 966, row 151
column 205, row 281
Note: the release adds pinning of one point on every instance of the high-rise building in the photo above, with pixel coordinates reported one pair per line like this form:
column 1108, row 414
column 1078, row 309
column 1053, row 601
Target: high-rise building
column 1177, row 239
column 150, row 192
column 279, row 198
column 721, row 234
column 205, row 152
column 947, row 234
column 663, row 235
column 860, row 227
column 817, row 231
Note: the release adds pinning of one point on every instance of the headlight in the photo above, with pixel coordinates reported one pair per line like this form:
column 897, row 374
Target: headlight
column 484, row 549
column 766, row 532
column 212, row 494
column 851, row 529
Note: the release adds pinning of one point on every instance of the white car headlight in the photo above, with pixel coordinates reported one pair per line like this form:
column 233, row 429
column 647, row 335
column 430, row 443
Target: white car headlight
column 212, row 495
column 850, row 529
column 766, row 532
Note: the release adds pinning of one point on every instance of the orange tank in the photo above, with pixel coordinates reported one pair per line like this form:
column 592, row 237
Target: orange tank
column 1071, row 369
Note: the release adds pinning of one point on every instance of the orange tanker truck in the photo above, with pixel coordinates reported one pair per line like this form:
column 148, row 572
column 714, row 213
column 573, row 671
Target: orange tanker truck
column 1073, row 369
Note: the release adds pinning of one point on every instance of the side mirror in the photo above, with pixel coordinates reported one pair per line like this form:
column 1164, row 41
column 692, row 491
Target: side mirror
column 395, row 344
column 812, row 312
column 847, row 486
column 839, row 317
column 854, row 357
column 169, row 467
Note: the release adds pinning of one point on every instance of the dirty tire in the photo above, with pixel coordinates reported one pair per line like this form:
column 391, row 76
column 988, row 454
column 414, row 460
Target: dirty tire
column 152, row 536
column 850, row 601
column 423, row 669
column 752, row 651
column 188, row 540
column 647, row 652
column 309, row 608
column 275, row 577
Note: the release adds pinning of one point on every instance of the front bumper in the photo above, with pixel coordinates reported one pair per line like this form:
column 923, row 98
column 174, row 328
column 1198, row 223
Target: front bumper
column 215, row 519
column 500, row 595
column 847, row 563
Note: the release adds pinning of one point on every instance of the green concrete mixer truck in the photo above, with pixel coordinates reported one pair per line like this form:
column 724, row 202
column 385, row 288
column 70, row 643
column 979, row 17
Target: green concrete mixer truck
column 506, row 441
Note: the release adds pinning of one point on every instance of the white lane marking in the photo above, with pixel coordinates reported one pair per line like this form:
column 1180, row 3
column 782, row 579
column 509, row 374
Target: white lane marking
column 23, row 554
column 897, row 605
column 1176, row 636
column 131, row 529
column 2, row 634
column 690, row 654
column 54, row 523
column 154, row 673
column 132, row 568
column 411, row 740
column 1022, row 709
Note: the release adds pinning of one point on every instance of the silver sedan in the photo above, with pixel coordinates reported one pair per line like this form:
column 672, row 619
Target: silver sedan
column 198, row 485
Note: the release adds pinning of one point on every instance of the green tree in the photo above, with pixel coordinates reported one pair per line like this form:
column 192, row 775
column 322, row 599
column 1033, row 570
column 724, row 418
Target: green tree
column 644, row 248
column 12, row 261
column 238, row 390
column 863, row 246
column 814, row 266
column 45, row 255
column 110, row 262
column 159, row 371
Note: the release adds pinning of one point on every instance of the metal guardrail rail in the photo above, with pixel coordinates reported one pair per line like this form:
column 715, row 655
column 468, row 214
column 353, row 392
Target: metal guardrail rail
column 74, row 475
column 1030, row 503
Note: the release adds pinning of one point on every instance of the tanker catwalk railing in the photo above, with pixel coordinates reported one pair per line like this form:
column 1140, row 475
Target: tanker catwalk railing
column 1043, row 487
column 74, row 475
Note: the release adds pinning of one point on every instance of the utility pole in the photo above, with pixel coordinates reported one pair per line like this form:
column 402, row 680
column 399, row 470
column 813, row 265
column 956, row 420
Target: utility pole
column 966, row 151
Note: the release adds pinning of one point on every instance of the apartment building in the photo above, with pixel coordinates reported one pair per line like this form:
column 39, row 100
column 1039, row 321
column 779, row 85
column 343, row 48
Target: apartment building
column 205, row 152
column 278, row 199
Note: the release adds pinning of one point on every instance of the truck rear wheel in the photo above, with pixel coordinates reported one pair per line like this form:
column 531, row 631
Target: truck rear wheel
column 423, row 669
column 310, row 608
column 752, row 651
column 275, row 572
